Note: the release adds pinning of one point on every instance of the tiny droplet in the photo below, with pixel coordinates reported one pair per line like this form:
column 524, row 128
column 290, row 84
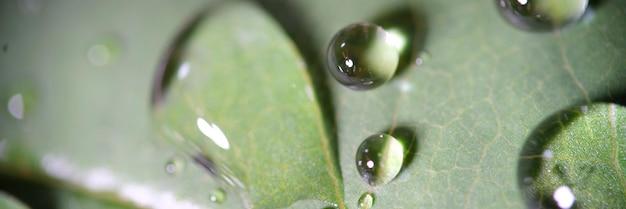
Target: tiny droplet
column 104, row 52
column 422, row 58
column 366, row 201
column 218, row 196
column 174, row 165
column 379, row 159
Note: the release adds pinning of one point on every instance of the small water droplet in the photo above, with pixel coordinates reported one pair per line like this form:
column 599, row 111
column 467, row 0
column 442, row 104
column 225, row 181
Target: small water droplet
column 363, row 56
column 540, row 15
column 366, row 201
column 218, row 196
column 175, row 165
column 379, row 159
column 103, row 52
column 16, row 106
column 5, row 47
column 422, row 58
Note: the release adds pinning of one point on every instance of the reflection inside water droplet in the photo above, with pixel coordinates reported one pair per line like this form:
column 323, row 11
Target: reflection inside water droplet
column 366, row 201
column 564, row 197
column 213, row 132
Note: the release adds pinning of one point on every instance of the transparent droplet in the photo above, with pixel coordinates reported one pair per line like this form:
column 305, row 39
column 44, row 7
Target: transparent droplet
column 379, row 159
column 570, row 158
column 363, row 56
column 366, row 201
column 542, row 15
column 218, row 196
column 104, row 52
column 175, row 165
column 422, row 58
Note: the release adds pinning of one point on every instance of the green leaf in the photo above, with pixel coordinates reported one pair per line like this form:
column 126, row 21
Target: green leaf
column 473, row 104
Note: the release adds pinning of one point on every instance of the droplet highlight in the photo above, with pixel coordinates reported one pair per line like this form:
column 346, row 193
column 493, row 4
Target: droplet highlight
column 364, row 56
column 542, row 15
column 571, row 158
column 379, row 159
column 16, row 106
column 366, row 201
column 213, row 132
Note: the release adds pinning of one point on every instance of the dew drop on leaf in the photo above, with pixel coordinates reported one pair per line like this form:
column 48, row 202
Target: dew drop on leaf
column 174, row 165
column 218, row 196
column 379, row 159
column 104, row 52
column 366, row 201
column 542, row 15
column 364, row 56
column 571, row 158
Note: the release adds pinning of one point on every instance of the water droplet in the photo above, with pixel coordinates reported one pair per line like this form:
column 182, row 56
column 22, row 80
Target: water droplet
column 104, row 52
column 366, row 201
column 174, row 165
column 5, row 47
column 570, row 158
column 363, row 56
column 16, row 106
column 218, row 196
column 540, row 15
column 422, row 58
column 379, row 159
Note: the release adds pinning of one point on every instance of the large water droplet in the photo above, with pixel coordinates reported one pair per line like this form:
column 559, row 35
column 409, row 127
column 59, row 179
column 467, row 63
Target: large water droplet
column 364, row 56
column 366, row 201
column 218, row 196
column 542, row 15
column 574, row 159
column 379, row 159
